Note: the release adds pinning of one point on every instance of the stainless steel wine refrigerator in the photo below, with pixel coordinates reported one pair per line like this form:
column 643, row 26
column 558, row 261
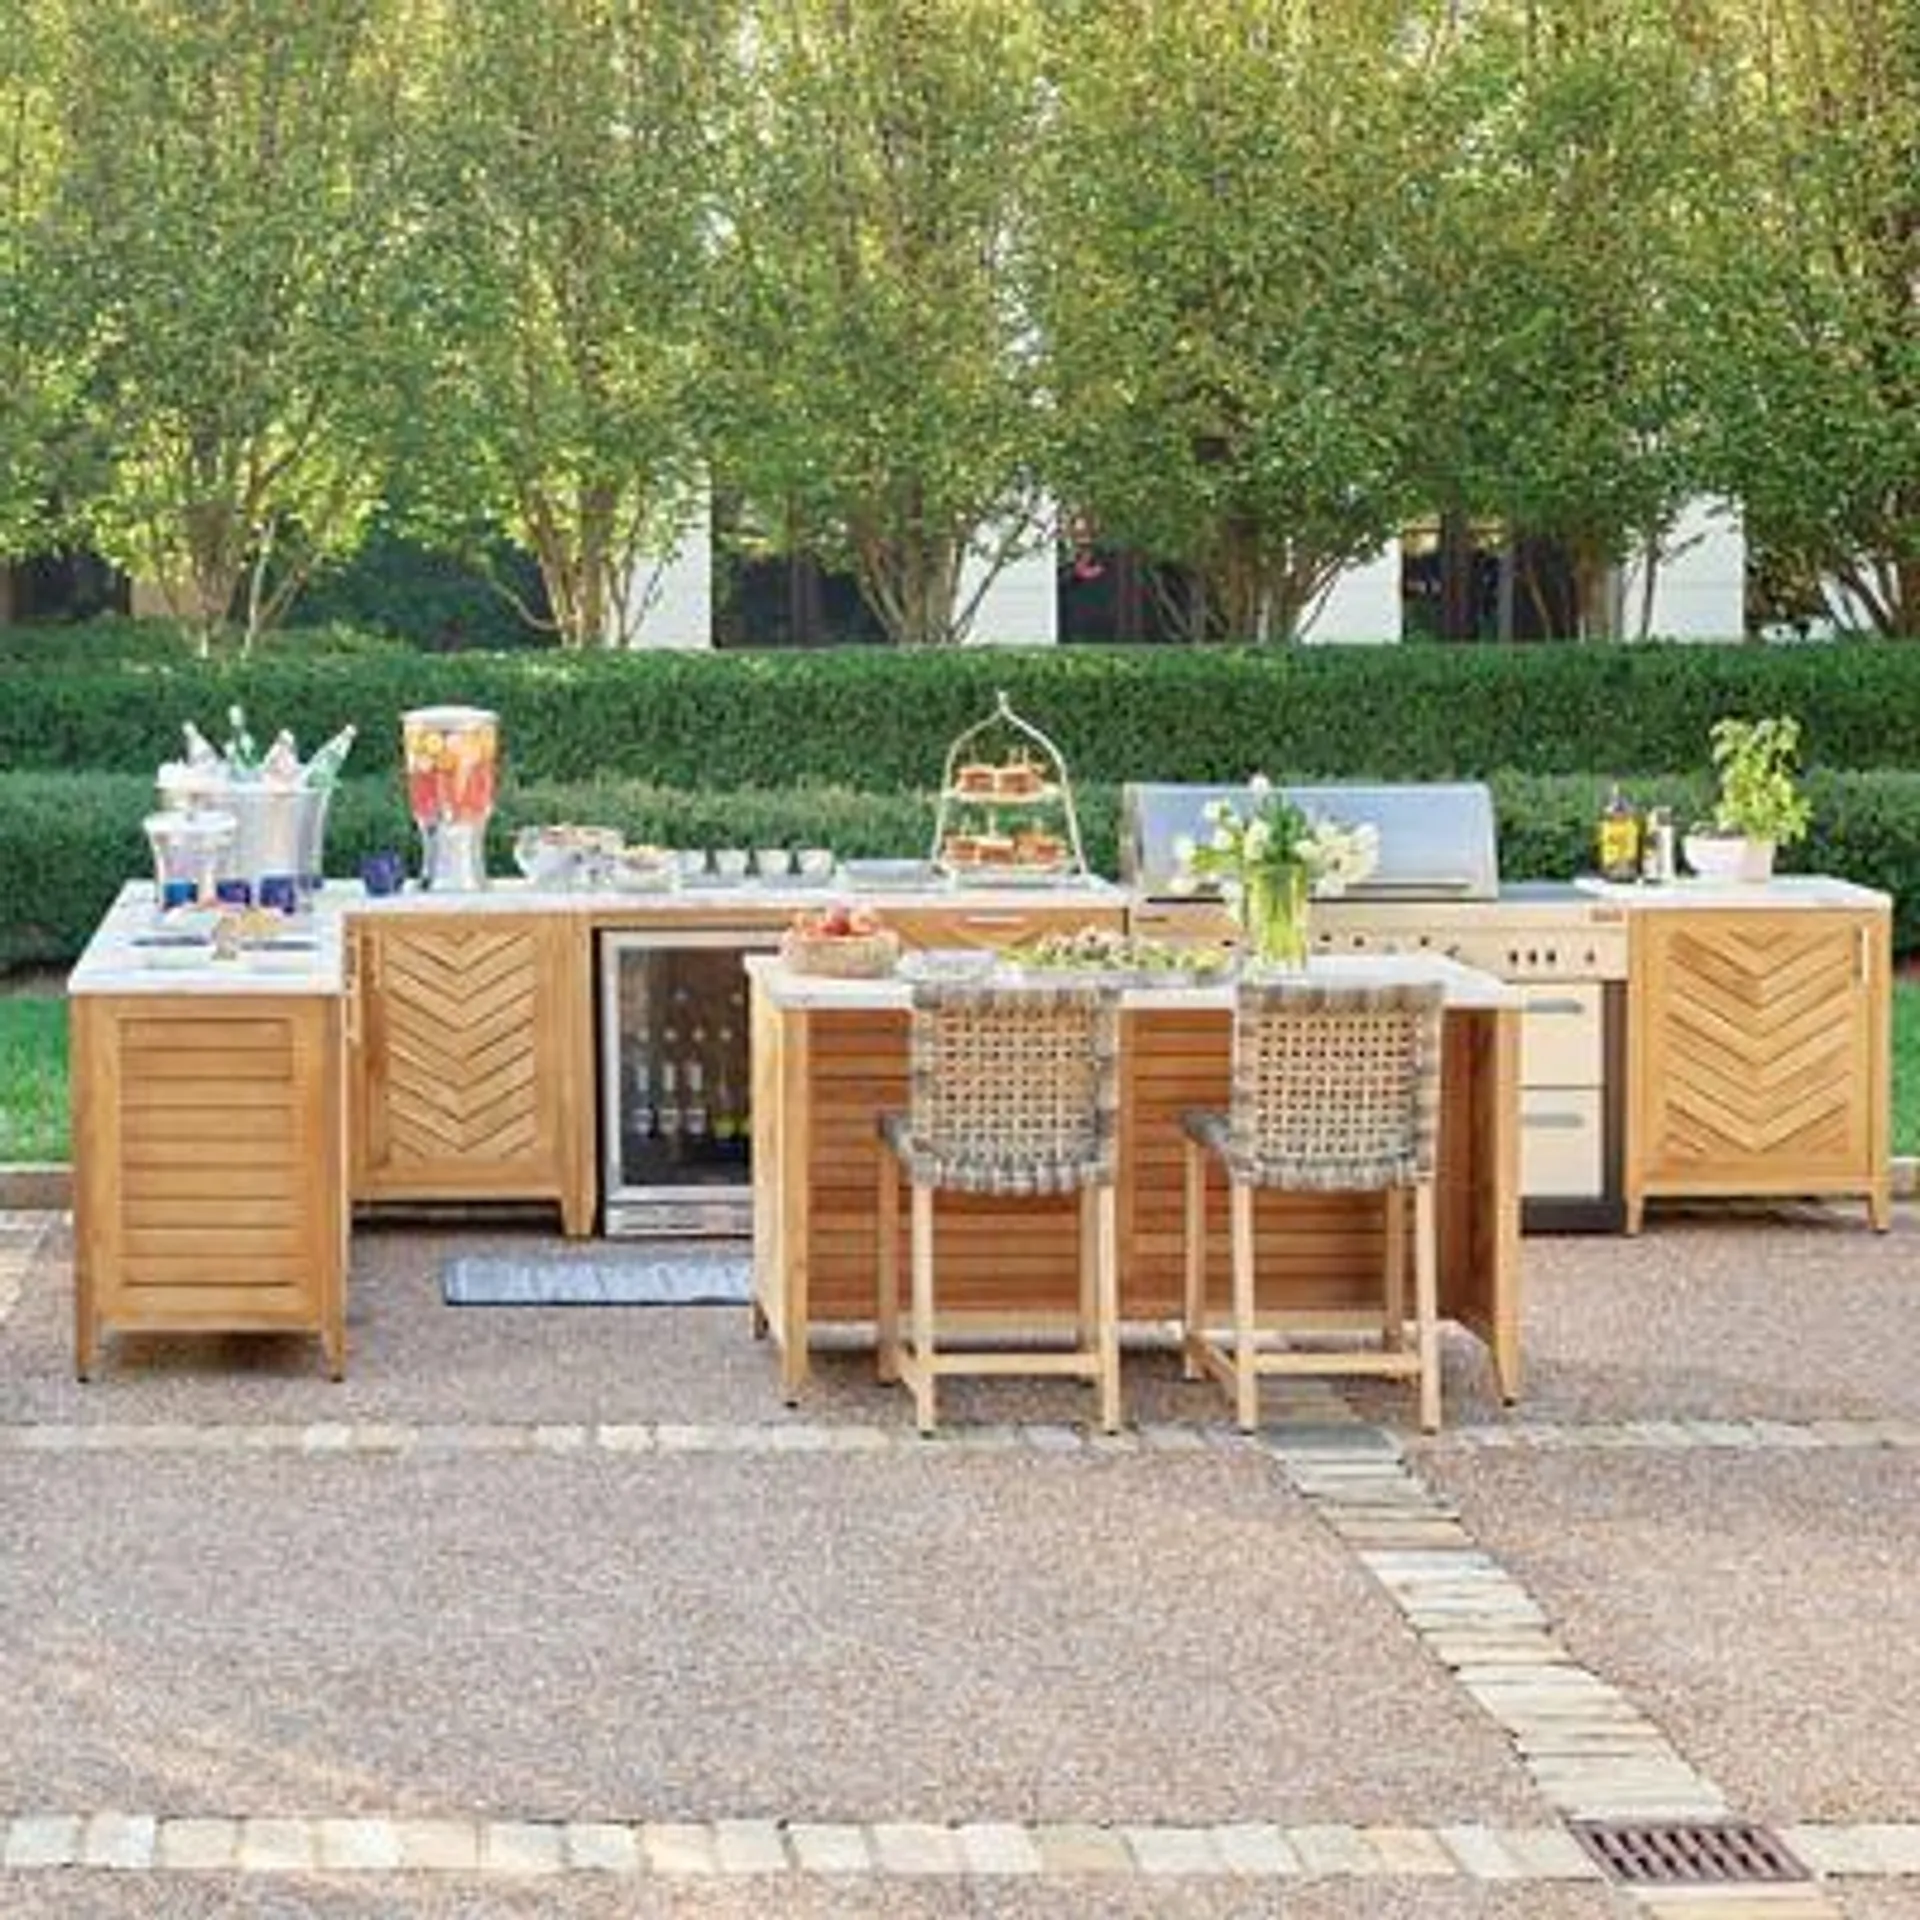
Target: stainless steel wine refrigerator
column 676, row 1124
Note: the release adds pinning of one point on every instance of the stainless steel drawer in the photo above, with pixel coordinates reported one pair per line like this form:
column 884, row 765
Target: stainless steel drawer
column 1563, row 1034
column 1562, row 1143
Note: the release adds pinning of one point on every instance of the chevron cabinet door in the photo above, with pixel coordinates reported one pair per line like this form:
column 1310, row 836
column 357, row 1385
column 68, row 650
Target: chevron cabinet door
column 470, row 1071
column 1759, row 1053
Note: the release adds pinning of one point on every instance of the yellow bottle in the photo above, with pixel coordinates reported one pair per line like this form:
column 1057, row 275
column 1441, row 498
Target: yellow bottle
column 1619, row 838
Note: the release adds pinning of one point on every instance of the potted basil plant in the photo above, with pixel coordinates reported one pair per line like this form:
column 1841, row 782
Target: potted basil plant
column 1760, row 805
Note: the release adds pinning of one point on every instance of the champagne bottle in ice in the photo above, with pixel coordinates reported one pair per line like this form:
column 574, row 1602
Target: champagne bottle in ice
column 201, row 754
column 281, row 766
column 323, row 770
column 242, row 755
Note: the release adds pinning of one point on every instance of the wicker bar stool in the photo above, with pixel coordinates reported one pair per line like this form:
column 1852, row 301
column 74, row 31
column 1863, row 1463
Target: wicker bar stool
column 1014, row 1090
column 1336, row 1088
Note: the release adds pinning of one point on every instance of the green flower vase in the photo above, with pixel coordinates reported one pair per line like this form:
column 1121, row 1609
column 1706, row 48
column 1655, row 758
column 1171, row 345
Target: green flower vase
column 1273, row 911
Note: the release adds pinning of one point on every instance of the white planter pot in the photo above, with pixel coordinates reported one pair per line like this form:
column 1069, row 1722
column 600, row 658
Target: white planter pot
column 1729, row 859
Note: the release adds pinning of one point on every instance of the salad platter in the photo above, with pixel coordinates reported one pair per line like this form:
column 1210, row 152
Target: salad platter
column 1130, row 959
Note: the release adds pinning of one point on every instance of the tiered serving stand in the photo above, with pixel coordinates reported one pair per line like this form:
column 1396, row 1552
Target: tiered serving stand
column 1005, row 787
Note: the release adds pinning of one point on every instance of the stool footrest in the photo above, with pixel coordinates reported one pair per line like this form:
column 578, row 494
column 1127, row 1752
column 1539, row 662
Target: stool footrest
column 1082, row 1365
column 1218, row 1359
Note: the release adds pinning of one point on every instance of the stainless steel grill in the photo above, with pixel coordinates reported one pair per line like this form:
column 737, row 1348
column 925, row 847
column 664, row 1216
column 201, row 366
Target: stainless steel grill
column 1437, row 889
column 1436, row 842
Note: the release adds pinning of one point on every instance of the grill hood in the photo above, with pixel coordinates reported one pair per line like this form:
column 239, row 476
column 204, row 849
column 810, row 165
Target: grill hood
column 1436, row 841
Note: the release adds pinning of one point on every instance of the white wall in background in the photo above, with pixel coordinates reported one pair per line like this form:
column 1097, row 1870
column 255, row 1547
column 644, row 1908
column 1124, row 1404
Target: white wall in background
column 1022, row 605
column 1700, row 591
column 1363, row 604
column 680, row 611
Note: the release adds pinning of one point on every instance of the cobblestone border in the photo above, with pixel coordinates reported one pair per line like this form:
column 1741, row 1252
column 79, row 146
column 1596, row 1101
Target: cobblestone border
column 1587, row 1748
column 137, row 1842
column 1329, row 1431
column 202, row 1843
column 389, row 1438
column 1627, row 1436
column 20, row 1237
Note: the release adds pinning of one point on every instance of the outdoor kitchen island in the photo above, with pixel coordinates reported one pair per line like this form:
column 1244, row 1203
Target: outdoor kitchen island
column 830, row 1054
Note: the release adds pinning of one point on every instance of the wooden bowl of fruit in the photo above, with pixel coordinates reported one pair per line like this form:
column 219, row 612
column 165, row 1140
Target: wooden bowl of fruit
column 844, row 943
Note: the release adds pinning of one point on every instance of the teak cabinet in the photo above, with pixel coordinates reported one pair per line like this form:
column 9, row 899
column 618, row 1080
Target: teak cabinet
column 1758, row 1048
column 474, row 1074
column 210, row 1166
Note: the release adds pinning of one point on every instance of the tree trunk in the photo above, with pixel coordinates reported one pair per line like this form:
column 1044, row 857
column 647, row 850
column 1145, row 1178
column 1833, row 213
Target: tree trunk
column 575, row 552
column 1593, row 597
column 912, row 584
column 214, row 560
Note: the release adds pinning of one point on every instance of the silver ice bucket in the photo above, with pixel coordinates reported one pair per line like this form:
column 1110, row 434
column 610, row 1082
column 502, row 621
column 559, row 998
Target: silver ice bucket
column 280, row 831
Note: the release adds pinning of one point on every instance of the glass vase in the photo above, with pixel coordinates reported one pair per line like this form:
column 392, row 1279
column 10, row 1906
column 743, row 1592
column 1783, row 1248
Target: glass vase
column 1273, row 911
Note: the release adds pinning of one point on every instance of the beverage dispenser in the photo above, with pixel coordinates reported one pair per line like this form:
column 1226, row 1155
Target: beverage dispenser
column 451, row 755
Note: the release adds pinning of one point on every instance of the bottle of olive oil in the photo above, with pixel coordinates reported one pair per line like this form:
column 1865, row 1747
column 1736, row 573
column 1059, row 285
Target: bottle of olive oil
column 1619, row 838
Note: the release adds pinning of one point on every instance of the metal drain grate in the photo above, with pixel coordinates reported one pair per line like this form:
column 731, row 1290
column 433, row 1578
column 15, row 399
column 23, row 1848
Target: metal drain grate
column 1709, row 1853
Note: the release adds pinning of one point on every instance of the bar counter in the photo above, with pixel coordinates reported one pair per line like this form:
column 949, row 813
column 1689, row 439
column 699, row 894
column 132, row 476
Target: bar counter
column 829, row 1055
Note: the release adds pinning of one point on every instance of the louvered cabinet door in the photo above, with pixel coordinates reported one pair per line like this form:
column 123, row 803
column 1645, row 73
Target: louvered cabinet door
column 209, row 1166
column 1759, row 1047
column 474, row 1080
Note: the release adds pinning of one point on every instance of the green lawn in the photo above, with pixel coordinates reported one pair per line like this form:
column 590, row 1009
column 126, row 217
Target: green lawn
column 33, row 1075
column 1906, row 1066
column 33, row 1078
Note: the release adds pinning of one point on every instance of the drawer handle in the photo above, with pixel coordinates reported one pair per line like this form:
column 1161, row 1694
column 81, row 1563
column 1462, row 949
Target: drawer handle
column 1553, row 1122
column 1557, row 1005
column 993, row 919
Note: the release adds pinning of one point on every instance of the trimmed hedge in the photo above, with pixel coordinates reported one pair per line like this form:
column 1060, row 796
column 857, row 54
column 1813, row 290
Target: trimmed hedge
column 67, row 842
column 94, row 645
column 878, row 720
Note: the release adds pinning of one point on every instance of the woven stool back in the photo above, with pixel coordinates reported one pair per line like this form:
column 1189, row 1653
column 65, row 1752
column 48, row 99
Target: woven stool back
column 1334, row 1087
column 1014, row 1089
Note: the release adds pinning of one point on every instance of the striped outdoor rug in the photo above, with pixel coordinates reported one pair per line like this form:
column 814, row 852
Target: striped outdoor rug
column 667, row 1276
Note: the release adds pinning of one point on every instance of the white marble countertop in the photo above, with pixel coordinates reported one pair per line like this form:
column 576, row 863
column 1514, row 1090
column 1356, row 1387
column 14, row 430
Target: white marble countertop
column 115, row 961
column 1466, row 987
column 1810, row 892
column 707, row 898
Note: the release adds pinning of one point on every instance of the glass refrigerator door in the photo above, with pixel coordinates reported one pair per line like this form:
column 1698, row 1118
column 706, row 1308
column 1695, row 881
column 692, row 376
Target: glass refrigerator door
column 676, row 1076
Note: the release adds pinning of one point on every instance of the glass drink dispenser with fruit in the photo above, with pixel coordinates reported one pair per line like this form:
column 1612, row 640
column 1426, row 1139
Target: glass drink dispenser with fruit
column 451, row 754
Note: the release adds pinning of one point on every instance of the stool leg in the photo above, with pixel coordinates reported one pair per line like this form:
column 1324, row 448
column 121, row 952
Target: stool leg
column 887, row 1283
column 1246, row 1378
column 1086, row 1242
column 1426, row 1306
column 1394, row 1334
column 922, row 1328
column 1107, row 1304
column 1193, row 1312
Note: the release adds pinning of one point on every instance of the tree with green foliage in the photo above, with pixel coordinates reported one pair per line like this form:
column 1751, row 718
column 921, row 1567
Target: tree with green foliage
column 1224, row 294
column 874, row 378
column 40, row 383
column 568, row 186
column 1815, row 305
column 225, row 219
column 1559, row 352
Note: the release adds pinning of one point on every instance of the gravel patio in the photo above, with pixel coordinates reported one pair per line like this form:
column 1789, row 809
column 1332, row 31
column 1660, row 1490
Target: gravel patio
column 560, row 1611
